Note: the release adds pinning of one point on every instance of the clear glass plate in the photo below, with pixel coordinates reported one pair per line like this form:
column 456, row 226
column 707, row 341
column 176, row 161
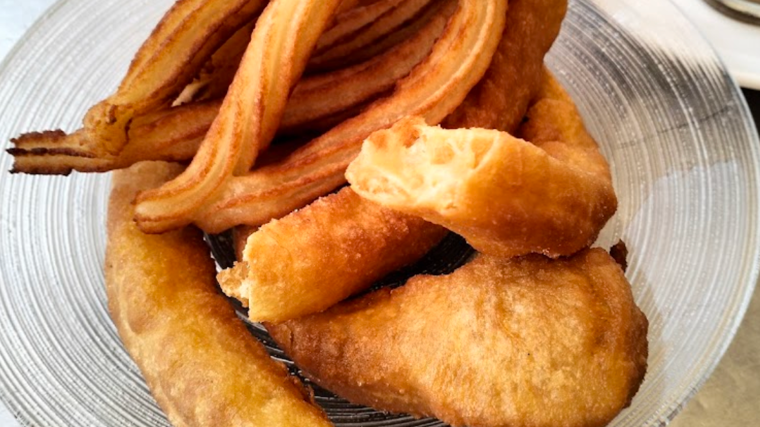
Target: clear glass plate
column 671, row 121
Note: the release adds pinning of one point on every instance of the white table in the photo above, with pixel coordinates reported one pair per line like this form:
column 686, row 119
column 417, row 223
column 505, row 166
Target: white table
column 16, row 17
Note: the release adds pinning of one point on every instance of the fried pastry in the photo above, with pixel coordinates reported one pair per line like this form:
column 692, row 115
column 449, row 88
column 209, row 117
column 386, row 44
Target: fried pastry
column 293, row 275
column 433, row 89
column 514, row 78
column 527, row 341
column 506, row 196
column 319, row 167
column 248, row 117
column 201, row 364
column 318, row 256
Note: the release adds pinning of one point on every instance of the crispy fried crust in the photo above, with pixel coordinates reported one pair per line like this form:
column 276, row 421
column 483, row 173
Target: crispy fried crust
column 186, row 37
column 202, row 365
column 347, row 23
column 316, row 257
column 522, row 342
column 506, row 196
column 433, row 90
column 381, row 19
column 554, row 124
column 315, row 102
column 275, row 191
column 249, row 116
column 174, row 134
column 170, row 135
column 217, row 74
column 501, row 98
column 316, row 98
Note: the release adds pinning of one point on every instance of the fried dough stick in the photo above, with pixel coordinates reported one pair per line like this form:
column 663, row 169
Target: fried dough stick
column 286, row 272
column 274, row 191
column 54, row 152
column 217, row 74
column 168, row 135
column 202, row 365
column 316, row 257
column 316, row 169
column 433, row 89
column 348, row 23
column 172, row 55
column 389, row 16
column 174, row 134
column 522, row 342
column 284, row 36
column 506, row 196
column 187, row 36
column 320, row 96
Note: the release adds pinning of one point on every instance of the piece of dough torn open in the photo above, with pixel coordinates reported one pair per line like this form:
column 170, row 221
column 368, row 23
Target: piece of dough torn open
column 550, row 193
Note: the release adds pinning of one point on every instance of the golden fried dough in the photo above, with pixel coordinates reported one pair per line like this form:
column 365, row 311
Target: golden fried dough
column 202, row 365
column 500, row 99
column 554, row 124
column 522, row 342
column 318, row 256
column 433, row 89
column 179, row 45
column 518, row 76
column 281, row 43
column 505, row 195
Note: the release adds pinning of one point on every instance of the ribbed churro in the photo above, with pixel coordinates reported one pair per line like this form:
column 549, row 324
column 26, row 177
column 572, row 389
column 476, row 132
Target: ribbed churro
column 379, row 19
column 186, row 37
column 282, row 41
column 433, row 89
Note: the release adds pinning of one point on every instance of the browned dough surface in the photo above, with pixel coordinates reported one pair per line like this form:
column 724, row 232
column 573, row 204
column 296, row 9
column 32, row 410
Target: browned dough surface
column 522, row 342
column 201, row 364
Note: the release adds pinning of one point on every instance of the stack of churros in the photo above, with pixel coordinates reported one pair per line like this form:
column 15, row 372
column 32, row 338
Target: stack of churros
column 342, row 141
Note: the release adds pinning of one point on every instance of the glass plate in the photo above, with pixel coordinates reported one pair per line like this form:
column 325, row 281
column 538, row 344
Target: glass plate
column 673, row 124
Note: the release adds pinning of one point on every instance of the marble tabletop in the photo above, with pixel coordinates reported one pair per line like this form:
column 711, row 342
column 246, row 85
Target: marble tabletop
column 728, row 398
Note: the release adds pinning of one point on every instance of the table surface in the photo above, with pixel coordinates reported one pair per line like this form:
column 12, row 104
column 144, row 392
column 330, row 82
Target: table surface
column 728, row 398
